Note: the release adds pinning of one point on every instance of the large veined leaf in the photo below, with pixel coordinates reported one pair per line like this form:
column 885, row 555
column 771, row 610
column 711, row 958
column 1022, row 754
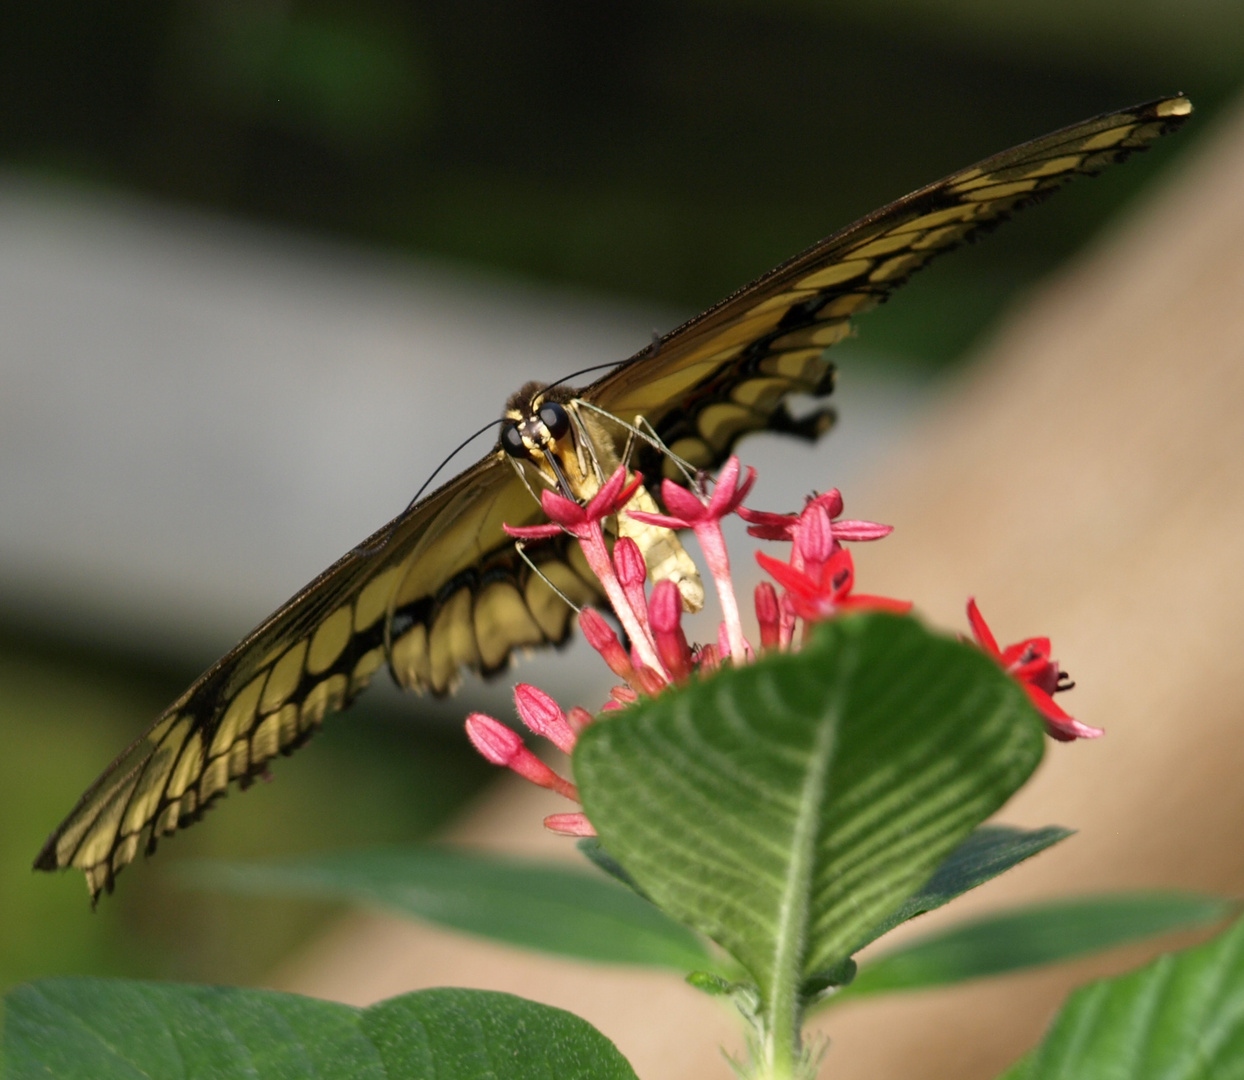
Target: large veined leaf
column 787, row 807
column 112, row 1029
column 546, row 906
column 1028, row 936
column 1179, row 1018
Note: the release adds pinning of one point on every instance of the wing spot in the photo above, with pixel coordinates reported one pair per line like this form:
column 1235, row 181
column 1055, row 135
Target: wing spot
column 287, row 721
column 187, row 767
column 451, row 641
column 409, row 656
column 962, row 212
column 502, row 622
column 215, row 778
column 125, row 851
column 238, row 716
column 1001, row 191
column 1053, row 167
column 898, row 266
column 373, row 601
column 284, row 679
column 943, row 237
column 366, row 667
column 330, row 640
column 722, row 422
column 325, row 697
column 851, row 304
column 169, row 816
column 1104, row 139
column 781, row 301
column 239, row 758
column 799, row 365
column 150, row 784
column 823, row 334
column 836, row 273
column 762, row 395
column 267, row 738
column 881, row 246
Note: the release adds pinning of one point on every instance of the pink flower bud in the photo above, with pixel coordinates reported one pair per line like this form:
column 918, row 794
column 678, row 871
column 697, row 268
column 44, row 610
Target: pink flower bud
column 569, row 824
column 769, row 615
column 814, row 535
column 502, row 746
column 629, row 562
column 493, row 739
column 649, row 681
column 624, row 695
column 665, row 618
column 578, row 719
column 543, row 716
column 600, row 636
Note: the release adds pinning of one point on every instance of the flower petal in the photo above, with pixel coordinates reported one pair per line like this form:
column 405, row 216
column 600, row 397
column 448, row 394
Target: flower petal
column 1058, row 724
column 980, row 630
column 792, row 580
column 533, row 532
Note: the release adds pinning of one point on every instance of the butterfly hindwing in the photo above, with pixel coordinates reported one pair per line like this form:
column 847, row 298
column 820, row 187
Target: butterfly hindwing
column 471, row 605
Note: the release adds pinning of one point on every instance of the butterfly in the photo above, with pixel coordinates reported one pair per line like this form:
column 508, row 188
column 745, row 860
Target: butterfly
column 442, row 588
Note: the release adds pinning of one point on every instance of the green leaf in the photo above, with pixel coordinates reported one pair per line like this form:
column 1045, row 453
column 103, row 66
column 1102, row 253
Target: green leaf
column 590, row 848
column 111, row 1029
column 987, row 852
column 787, row 807
column 1026, row 937
column 1179, row 1018
column 545, row 906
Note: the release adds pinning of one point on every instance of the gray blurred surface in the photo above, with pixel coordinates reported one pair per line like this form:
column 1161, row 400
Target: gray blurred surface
column 197, row 416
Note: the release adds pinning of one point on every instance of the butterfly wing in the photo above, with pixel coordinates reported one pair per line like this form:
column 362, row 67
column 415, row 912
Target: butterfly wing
column 730, row 370
column 440, row 586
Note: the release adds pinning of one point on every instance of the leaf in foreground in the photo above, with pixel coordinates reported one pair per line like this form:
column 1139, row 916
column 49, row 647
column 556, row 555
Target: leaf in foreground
column 546, row 906
column 786, row 808
column 1179, row 1018
column 112, row 1029
column 1041, row 934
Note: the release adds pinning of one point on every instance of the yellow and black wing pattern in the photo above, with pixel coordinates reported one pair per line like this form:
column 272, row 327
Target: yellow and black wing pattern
column 728, row 371
column 437, row 590
column 441, row 588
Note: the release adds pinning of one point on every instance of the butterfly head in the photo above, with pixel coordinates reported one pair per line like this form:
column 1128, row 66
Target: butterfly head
column 536, row 427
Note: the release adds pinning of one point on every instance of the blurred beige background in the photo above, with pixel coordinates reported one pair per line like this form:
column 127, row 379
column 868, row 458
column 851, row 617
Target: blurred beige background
column 1084, row 478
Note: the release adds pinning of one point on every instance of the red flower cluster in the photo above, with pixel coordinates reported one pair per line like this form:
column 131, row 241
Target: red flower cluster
column 817, row 583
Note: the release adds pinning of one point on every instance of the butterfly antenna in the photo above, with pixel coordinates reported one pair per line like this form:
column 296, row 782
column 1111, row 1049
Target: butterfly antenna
column 521, row 548
column 362, row 549
column 584, row 371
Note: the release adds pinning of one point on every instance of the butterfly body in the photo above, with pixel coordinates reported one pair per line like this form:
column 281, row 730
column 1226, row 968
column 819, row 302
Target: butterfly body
column 442, row 589
column 573, row 448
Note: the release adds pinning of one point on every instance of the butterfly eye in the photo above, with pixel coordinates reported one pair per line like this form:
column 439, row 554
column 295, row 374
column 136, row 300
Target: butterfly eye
column 554, row 417
column 512, row 441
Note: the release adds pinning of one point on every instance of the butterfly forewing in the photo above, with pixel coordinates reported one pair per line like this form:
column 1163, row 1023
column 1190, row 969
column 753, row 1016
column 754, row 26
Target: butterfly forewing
column 729, row 370
column 441, row 588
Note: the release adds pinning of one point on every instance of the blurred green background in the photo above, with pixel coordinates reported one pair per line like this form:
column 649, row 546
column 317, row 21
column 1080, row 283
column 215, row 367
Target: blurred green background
column 664, row 151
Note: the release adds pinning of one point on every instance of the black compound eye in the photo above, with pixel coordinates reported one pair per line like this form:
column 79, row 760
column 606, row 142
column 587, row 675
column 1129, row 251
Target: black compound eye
column 512, row 441
column 554, row 417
